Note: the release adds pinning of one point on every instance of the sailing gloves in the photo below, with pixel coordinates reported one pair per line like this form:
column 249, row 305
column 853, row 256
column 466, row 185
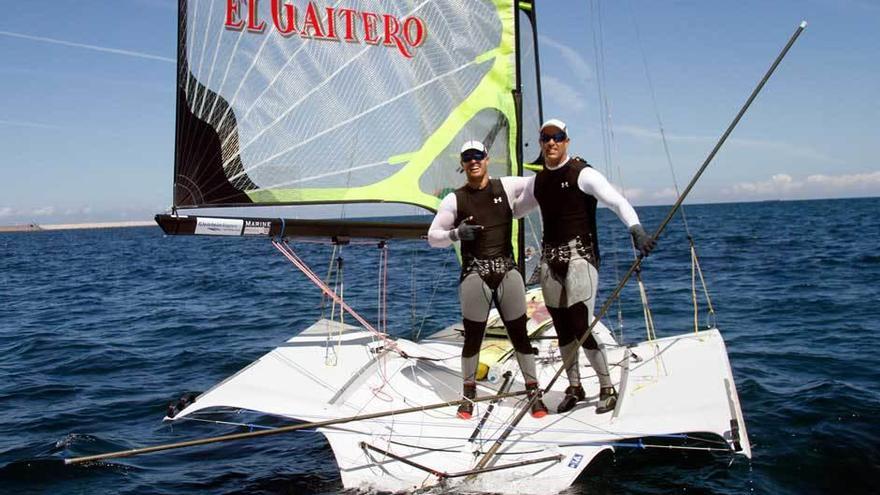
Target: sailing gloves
column 643, row 242
column 466, row 231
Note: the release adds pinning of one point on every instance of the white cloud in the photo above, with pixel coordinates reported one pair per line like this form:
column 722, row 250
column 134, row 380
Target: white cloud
column 562, row 94
column 85, row 210
column 44, row 211
column 866, row 180
column 784, row 186
column 664, row 195
column 631, row 194
column 747, row 143
column 572, row 58
column 6, row 211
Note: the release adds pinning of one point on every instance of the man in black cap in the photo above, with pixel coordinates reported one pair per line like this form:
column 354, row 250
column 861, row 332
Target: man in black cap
column 568, row 190
column 480, row 215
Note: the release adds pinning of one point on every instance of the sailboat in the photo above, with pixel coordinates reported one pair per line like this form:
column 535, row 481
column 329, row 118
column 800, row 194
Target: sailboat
column 326, row 106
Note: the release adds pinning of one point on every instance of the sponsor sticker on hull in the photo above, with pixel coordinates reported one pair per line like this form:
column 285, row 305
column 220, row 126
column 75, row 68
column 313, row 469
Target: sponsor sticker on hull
column 219, row 226
column 256, row 227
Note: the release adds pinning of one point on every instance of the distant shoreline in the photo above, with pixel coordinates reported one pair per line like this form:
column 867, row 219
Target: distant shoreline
column 33, row 227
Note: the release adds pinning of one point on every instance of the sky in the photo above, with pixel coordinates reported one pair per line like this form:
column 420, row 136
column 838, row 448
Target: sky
column 87, row 121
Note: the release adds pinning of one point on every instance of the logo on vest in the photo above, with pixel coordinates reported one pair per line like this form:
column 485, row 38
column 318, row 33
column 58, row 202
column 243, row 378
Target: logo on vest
column 564, row 185
column 497, row 200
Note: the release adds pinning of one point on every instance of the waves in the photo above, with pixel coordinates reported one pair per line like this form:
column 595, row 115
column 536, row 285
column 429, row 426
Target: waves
column 102, row 329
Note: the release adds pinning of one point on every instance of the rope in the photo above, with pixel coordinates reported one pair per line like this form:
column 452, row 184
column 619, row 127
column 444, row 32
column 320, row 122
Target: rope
column 440, row 274
column 710, row 316
column 285, row 249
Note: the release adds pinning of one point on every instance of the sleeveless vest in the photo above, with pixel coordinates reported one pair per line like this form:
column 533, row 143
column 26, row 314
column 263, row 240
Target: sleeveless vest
column 490, row 208
column 566, row 211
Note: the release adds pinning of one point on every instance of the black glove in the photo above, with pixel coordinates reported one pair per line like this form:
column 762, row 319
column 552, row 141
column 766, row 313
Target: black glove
column 643, row 242
column 467, row 231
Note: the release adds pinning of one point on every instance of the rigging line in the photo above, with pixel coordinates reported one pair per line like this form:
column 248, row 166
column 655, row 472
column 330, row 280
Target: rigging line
column 414, row 333
column 261, row 433
column 606, row 127
column 694, row 292
column 330, row 77
column 660, row 126
column 642, row 445
column 637, row 263
column 327, row 278
column 287, row 251
column 347, row 121
column 711, row 312
column 457, row 448
column 386, row 254
column 694, row 262
column 456, row 425
column 440, row 275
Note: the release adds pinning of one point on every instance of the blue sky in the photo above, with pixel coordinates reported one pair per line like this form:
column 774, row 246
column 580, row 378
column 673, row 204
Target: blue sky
column 87, row 124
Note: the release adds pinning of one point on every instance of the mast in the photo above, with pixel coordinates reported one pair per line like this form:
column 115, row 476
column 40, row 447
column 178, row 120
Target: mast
column 517, row 100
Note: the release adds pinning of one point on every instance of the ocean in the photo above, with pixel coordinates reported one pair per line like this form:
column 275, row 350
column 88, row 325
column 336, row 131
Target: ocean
column 101, row 329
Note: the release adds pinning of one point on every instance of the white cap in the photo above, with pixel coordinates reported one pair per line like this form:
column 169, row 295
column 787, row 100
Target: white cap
column 473, row 145
column 554, row 123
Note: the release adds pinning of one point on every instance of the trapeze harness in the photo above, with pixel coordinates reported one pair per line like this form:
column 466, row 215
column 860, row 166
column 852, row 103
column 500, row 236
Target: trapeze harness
column 488, row 271
column 570, row 260
column 569, row 217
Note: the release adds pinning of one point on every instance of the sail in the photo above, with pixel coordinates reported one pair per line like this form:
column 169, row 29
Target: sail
column 305, row 102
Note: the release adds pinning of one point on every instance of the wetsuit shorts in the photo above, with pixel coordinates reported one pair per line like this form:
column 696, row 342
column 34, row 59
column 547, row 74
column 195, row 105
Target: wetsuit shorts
column 476, row 296
column 568, row 276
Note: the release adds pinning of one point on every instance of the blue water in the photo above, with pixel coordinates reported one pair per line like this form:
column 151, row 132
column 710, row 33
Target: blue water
column 101, row 329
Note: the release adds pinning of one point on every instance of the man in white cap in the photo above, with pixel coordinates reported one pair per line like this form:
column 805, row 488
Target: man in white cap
column 480, row 215
column 568, row 190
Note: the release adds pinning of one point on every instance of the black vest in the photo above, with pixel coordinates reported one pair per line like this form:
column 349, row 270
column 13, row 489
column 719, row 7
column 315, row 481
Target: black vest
column 566, row 211
column 490, row 208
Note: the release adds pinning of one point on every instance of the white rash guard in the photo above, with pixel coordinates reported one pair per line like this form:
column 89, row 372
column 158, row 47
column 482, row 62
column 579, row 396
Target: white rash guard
column 591, row 182
column 444, row 220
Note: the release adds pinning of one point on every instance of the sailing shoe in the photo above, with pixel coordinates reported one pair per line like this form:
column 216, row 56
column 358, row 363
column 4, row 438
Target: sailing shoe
column 607, row 400
column 466, row 409
column 573, row 395
column 539, row 410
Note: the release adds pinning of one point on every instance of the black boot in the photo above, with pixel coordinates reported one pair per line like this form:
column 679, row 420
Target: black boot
column 539, row 410
column 607, row 400
column 466, row 409
column 573, row 395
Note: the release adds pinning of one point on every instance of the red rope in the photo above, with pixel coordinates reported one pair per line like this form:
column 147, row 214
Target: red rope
column 288, row 253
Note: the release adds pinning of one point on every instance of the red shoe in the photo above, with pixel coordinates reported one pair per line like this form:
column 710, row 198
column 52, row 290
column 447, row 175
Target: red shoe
column 466, row 409
column 539, row 410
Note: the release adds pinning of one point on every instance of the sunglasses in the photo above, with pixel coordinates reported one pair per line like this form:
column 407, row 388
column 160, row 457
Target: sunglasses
column 558, row 137
column 472, row 155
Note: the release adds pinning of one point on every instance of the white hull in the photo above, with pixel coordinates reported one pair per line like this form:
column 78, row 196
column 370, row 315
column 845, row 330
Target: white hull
column 674, row 385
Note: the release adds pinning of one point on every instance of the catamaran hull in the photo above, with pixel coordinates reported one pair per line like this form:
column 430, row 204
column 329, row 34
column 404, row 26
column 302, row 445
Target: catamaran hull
column 668, row 387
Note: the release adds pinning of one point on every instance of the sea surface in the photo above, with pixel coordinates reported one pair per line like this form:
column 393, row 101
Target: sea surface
column 101, row 329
